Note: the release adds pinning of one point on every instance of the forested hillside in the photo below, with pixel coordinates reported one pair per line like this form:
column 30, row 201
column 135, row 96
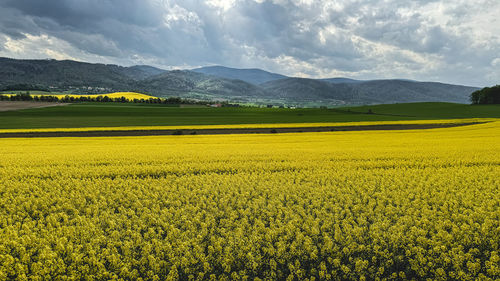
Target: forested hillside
column 218, row 83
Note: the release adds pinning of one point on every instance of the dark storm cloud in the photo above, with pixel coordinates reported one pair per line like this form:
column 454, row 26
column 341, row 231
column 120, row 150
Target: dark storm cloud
column 89, row 24
column 428, row 40
column 87, row 14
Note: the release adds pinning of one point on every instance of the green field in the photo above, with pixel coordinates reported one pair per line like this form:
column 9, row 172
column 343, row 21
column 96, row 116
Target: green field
column 129, row 114
column 434, row 110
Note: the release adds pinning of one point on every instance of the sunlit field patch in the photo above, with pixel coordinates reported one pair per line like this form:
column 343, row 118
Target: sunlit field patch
column 127, row 95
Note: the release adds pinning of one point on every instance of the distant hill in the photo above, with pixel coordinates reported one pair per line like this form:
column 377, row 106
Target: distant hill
column 377, row 91
column 140, row 72
column 220, row 83
column 341, row 80
column 398, row 91
column 253, row 76
column 188, row 84
column 61, row 73
column 307, row 90
column 67, row 73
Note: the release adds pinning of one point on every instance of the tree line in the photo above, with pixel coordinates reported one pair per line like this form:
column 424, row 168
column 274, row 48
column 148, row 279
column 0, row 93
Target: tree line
column 488, row 95
column 101, row 98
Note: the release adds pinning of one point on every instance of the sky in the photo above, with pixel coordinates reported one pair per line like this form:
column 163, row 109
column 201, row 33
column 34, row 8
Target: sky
column 453, row 41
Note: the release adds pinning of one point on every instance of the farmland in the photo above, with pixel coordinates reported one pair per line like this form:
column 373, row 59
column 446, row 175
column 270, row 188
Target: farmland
column 119, row 115
column 374, row 205
column 127, row 95
column 19, row 105
column 264, row 140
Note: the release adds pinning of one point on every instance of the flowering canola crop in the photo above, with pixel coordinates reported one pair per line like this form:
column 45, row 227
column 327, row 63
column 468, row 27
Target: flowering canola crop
column 380, row 205
column 127, row 95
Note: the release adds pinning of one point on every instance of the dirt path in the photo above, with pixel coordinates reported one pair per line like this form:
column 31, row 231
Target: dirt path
column 18, row 105
column 122, row 133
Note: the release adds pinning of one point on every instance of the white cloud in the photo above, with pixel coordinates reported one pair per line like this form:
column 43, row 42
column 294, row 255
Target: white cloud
column 175, row 15
column 222, row 4
column 44, row 46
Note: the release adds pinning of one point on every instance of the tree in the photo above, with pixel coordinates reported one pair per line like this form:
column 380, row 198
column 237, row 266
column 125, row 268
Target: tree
column 488, row 95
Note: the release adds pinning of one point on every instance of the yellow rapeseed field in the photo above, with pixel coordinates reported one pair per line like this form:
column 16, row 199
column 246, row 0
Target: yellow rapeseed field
column 127, row 95
column 373, row 205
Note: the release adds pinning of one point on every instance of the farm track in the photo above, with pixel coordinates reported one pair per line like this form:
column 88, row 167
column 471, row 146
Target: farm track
column 124, row 133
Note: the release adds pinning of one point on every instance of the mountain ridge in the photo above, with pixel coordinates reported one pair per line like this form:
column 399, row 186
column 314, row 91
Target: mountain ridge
column 223, row 83
column 250, row 75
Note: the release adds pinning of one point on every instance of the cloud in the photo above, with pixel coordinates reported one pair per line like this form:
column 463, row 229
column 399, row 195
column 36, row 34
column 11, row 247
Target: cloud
column 448, row 41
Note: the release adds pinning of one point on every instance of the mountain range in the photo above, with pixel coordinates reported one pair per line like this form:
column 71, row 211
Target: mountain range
column 220, row 83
